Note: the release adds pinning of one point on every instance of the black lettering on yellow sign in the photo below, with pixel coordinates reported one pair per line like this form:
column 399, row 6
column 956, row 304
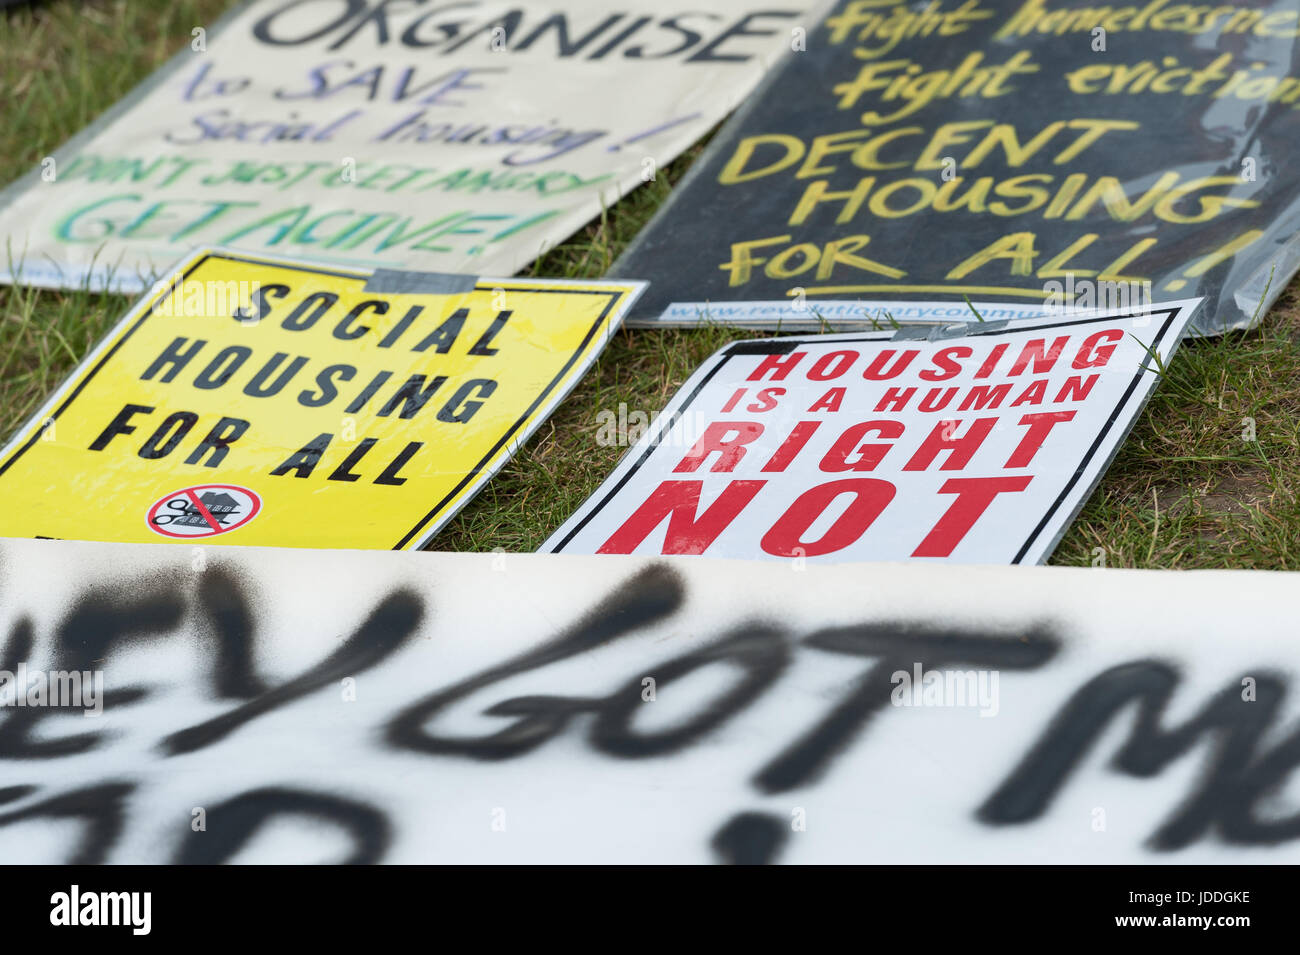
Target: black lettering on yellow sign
column 280, row 370
column 353, row 417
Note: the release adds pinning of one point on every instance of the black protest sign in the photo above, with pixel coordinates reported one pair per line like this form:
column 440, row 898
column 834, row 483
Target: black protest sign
column 1055, row 151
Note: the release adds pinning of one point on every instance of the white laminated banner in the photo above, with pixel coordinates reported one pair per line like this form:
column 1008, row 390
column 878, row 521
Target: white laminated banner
column 971, row 444
column 264, row 705
column 829, row 315
column 461, row 137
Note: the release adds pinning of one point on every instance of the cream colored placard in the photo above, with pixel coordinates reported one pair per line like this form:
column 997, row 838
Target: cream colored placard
column 466, row 137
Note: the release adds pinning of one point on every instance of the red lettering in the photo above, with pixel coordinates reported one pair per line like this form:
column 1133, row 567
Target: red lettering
column 867, row 455
column 895, row 399
column 791, row 446
column 984, row 396
column 945, row 359
column 734, row 400
column 679, row 501
column 1033, row 394
column 1040, row 426
column 1092, row 356
column 991, row 362
column 1074, row 389
column 765, row 400
column 974, row 495
column 777, row 365
column 832, row 365
column 725, row 438
column 944, row 439
column 829, row 401
column 870, row 497
column 1042, row 356
column 876, row 371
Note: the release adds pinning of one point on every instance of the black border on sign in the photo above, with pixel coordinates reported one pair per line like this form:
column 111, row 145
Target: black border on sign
column 470, row 476
column 786, row 345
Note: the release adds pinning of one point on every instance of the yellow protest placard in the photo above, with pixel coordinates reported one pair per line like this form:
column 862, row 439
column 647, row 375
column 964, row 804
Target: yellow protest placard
column 279, row 403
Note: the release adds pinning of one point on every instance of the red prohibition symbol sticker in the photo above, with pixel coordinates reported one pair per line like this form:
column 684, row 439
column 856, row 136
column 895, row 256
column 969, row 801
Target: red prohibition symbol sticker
column 204, row 510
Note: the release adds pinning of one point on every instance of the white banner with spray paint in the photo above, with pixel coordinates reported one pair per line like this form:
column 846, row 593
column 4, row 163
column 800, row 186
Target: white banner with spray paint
column 253, row 705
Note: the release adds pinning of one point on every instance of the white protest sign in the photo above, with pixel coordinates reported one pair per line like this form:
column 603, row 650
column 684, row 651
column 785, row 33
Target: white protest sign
column 803, row 314
column 264, row 705
column 465, row 138
column 975, row 449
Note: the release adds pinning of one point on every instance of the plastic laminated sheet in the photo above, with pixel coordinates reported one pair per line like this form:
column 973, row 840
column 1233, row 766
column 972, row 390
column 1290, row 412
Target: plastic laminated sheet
column 1059, row 152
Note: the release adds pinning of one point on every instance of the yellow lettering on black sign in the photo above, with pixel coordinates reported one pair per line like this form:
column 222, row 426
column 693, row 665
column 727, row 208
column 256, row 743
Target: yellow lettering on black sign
column 278, row 403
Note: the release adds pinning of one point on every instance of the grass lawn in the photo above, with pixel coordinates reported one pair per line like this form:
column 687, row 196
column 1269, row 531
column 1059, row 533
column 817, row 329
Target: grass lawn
column 1189, row 488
